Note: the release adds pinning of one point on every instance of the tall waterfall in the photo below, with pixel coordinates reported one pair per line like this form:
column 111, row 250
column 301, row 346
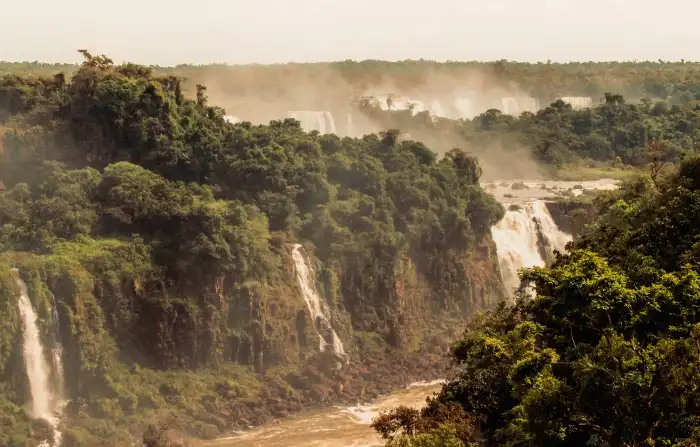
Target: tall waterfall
column 526, row 237
column 317, row 306
column 46, row 402
column 314, row 120
column 509, row 106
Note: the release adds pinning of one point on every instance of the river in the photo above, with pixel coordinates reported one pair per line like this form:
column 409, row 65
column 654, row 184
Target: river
column 517, row 247
column 333, row 427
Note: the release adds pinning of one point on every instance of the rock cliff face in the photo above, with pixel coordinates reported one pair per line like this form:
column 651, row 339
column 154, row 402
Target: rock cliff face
column 571, row 215
column 117, row 329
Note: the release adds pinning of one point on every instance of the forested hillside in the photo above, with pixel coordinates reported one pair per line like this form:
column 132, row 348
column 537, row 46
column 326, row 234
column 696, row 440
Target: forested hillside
column 640, row 112
column 157, row 238
column 559, row 141
column 606, row 353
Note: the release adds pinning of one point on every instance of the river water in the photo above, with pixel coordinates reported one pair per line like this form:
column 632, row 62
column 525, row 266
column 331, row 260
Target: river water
column 333, row 427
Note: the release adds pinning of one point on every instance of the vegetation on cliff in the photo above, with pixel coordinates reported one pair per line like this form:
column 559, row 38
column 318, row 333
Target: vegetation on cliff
column 606, row 353
column 162, row 232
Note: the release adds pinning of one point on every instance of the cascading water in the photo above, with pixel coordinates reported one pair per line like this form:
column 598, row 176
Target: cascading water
column 531, row 105
column 57, row 353
column 437, row 110
column 509, row 106
column 464, row 108
column 317, row 307
column 578, row 102
column 310, row 120
column 526, row 237
column 330, row 123
column 45, row 402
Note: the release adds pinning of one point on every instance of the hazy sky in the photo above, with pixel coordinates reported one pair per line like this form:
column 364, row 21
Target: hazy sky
column 243, row 31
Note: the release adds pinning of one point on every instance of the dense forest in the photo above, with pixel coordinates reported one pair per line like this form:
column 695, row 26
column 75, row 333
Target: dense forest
column 157, row 237
column 640, row 111
column 606, row 351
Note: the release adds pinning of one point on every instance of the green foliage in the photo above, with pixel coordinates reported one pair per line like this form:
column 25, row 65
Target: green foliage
column 606, row 352
column 565, row 141
column 163, row 232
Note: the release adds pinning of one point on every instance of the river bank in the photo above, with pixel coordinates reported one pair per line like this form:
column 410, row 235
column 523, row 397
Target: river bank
column 317, row 386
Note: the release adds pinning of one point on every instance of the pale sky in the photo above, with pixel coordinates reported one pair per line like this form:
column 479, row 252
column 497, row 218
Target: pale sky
column 267, row 31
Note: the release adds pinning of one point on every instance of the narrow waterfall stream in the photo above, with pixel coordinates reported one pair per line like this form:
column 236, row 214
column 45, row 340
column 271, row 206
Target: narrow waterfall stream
column 316, row 305
column 45, row 401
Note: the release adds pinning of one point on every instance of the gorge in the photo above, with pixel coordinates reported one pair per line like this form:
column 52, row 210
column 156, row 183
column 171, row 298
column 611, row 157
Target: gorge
column 190, row 269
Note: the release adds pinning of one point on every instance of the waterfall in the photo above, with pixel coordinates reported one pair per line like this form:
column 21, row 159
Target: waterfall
column 578, row 102
column 509, row 106
column 350, row 130
column 232, row 119
column 57, row 352
column 437, row 110
column 330, row 123
column 464, row 108
column 45, row 402
column 317, row 307
column 531, row 105
column 314, row 120
column 526, row 237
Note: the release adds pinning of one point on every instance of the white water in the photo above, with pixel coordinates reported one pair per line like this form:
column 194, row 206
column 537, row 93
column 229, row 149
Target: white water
column 530, row 105
column 578, row 102
column 464, row 108
column 513, row 106
column 509, row 106
column 519, row 243
column 311, row 120
column 437, row 110
column 57, row 355
column 317, row 307
column 45, row 403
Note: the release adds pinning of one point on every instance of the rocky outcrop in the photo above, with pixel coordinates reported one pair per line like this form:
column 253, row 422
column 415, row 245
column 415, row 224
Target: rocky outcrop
column 571, row 215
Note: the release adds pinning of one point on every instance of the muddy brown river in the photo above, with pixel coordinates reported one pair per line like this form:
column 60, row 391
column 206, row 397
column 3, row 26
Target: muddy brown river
column 333, row 427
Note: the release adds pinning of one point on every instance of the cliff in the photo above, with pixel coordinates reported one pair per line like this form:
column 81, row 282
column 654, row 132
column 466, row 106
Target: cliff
column 572, row 215
column 238, row 354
